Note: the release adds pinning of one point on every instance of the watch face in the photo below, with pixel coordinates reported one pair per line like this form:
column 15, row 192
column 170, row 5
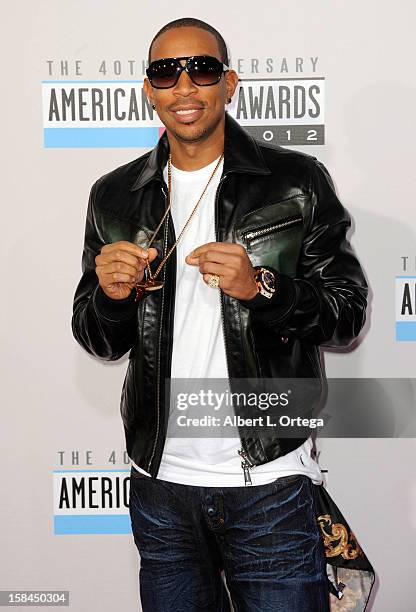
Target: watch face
column 268, row 280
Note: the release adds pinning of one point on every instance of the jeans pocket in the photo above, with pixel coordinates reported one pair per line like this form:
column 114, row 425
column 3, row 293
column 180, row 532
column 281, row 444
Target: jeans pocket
column 285, row 480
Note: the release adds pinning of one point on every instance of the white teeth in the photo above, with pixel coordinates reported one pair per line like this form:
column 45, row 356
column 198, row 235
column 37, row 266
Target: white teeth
column 186, row 112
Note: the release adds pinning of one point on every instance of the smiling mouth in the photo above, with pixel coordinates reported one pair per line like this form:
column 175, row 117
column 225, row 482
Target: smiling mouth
column 189, row 111
column 187, row 115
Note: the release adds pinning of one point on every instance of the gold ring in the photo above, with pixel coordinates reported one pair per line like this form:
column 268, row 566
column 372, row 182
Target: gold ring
column 214, row 281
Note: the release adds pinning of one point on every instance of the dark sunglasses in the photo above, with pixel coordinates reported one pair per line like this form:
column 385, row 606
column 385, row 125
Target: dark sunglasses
column 203, row 70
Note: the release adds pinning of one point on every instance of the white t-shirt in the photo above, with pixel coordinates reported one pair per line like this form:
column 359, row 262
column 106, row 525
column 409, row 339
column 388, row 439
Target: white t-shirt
column 199, row 353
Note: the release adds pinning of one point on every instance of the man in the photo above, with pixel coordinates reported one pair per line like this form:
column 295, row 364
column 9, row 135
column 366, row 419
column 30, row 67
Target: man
column 260, row 276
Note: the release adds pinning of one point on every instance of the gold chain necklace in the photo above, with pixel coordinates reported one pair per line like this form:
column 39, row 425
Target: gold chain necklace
column 152, row 284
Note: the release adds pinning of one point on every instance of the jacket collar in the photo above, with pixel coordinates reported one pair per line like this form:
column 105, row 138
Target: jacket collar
column 241, row 154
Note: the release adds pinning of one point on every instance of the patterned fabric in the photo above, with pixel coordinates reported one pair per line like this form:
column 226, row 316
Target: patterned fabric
column 350, row 574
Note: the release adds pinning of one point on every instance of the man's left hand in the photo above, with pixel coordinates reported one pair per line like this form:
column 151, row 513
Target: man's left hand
column 231, row 263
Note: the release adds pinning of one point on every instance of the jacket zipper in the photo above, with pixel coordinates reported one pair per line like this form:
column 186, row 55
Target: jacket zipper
column 165, row 248
column 246, row 464
column 219, row 292
column 260, row 233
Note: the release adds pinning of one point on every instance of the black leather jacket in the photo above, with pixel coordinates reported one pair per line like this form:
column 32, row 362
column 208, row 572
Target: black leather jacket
column 281, row 205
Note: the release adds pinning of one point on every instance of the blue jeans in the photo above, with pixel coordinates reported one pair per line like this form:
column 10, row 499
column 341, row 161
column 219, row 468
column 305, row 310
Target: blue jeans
column 264, row 538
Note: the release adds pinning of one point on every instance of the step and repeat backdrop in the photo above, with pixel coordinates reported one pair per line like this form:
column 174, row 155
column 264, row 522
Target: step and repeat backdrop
column 333, row 79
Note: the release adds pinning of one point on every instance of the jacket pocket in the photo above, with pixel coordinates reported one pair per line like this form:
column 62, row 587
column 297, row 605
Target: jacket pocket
column 272, row 235
column 258, row 234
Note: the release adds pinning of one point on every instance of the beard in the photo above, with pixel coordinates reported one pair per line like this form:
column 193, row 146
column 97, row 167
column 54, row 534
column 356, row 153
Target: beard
column 197, row 136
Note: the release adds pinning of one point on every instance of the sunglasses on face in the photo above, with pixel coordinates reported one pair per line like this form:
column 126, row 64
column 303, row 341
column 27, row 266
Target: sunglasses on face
column 203, row 70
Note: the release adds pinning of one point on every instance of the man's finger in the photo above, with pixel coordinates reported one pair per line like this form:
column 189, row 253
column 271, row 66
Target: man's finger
column 220, row 247
column 120, row 256
column 118, row 253
column 118, row 266
column 208, row 267
column 125, row 246
column 153, row 253
column 108, row 278
column 228, row 259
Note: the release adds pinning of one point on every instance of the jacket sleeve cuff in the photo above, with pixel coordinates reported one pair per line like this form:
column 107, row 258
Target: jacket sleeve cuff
column 273, row 309
column 114, row 310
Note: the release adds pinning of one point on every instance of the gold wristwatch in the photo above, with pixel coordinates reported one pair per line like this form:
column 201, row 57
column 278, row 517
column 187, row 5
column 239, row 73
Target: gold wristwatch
column 265, row 281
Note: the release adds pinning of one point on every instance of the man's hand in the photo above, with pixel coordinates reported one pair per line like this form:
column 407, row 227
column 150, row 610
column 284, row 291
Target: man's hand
column 120, row 266
column 230, row 261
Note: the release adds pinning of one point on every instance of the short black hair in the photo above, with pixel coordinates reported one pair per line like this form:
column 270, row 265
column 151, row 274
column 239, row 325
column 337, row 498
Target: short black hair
column 191, row 22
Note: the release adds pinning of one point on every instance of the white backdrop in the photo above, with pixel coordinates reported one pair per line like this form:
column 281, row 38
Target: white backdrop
column 57, row 400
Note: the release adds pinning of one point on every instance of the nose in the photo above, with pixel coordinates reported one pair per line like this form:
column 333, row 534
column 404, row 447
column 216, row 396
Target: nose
column 184, row 86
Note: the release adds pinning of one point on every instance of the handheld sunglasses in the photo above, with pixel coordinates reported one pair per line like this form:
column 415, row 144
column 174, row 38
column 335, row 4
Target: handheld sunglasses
column 203, row 70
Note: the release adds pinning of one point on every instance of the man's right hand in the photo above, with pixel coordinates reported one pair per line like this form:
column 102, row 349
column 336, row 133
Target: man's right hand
column 120, row 266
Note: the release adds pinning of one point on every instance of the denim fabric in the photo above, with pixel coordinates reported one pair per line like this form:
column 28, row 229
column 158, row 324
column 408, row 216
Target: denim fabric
column 265, row 539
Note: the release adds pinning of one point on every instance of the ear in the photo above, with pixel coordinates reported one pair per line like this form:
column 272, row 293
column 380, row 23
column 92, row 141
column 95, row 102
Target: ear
column 231, row 82
column 148, row 90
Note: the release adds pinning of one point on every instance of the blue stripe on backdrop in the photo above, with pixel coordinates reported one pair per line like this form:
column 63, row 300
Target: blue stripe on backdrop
column 100, row 137
column 91, row 523
column 405, row 331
